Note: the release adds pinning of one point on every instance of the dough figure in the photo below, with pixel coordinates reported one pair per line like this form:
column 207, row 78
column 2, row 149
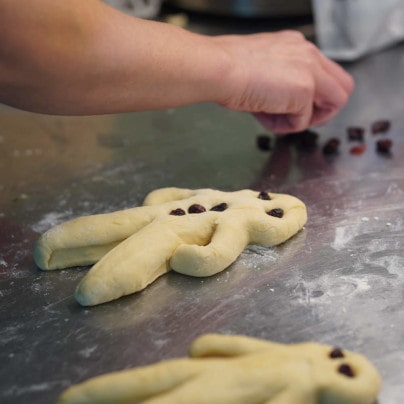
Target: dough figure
column 194, row 232
column 239, row 370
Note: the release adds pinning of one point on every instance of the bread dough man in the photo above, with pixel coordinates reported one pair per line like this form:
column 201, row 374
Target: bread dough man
column 239, row 370
column 194, row 232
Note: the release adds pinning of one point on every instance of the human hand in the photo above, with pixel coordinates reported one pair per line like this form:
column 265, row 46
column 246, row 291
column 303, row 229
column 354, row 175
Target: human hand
column 284, row 80
column 238, row 369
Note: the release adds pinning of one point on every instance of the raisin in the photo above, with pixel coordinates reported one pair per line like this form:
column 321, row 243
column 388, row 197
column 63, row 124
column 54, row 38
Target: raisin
column 290, row 138
column 307, row 140
column 357, row 150
column 264, row 142
column 355, row 133
column 264, row 196
column 220, row 208
column 304, row 141
column 331, row 147
column 384, row 145
column 346, row 370
column 277, row 212
column 178, row 212
column 381, row 126
column 196, row 209
column 336, row 353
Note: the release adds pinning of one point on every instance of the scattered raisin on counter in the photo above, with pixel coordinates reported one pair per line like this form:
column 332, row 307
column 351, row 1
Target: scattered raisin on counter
column 331, row 147
column 195, row 208
column 358, row 150
column 355, row 133
column 305, row 140
column 264, row 142
column 384, row 146
column 381, row 126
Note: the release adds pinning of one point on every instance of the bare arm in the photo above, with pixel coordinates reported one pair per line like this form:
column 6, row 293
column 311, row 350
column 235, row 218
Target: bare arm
column 83, row 57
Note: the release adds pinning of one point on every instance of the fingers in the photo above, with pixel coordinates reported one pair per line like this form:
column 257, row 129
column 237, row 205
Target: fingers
column 312, row 106
column 278, row 123
column 296, row 119
column 322, row 115
column 309, row 88
column 284, row 123
column 336, row 71
column 333, row 88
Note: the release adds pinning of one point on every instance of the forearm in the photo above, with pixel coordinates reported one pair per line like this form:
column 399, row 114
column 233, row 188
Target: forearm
column 75, row 58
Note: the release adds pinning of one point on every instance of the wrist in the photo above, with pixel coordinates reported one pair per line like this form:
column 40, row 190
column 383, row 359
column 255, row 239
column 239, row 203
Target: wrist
column 206, row 68
column 230, row 75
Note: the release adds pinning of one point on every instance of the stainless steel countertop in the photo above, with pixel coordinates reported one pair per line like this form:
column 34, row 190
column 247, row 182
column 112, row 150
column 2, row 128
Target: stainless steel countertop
column 339, row 281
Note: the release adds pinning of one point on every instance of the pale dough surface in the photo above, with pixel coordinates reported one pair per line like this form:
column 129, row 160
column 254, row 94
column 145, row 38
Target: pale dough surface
column 238, row 370
column 132, row 247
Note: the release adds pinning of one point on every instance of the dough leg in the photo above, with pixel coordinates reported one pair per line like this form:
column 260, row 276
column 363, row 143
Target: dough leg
column 129, row 267
column 226, row 245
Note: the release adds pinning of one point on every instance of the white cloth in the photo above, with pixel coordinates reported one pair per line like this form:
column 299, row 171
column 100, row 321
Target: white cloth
column 349, row 29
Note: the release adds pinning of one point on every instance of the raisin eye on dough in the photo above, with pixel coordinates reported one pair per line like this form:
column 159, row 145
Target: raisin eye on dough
column 277, row 212
column 196, row 208
column 346, row 370
column 178, row 212
column 220, row 208
column 264, row 196
column 337, row 353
